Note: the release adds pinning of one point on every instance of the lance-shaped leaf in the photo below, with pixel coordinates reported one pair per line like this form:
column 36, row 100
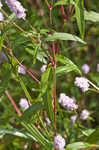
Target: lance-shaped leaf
column 91, row 16
column 35, row 53
column 25, row 90
column 61, row 2
column 64, row 36
column 37, row 134
column 68, row 65
column 44, row 80
column 48, row 98
column 39, row 56
column 32, row 110
column 1, row 41
column 79, row 11
column 94, row 137
column 14, row 132
column 77, row 146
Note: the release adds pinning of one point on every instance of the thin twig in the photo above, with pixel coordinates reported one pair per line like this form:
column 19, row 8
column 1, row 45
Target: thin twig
column 53, row 51
column 25, row 68
column 63, row 13
column 32, row 4
column 18, row 27
column 54, row 88
column 13, row 103
column 42, row 13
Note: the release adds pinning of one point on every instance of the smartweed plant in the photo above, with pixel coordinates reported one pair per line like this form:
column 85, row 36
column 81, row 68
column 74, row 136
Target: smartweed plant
column 48, row 81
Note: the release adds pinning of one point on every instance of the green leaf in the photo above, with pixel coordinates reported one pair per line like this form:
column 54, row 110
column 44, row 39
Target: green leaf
column 94, row 137
column 88, row 132
column 64, row 69
column 44, row 31
column 77, row 146
column 12, row 17
column 69, row 65
column 79, row 11
column 91, row 16
column 49, row 99
column 28, row 113
column 25, row 90
column 14, row 132
column 40, row 56
column 63, row 36
column 44, row 80
column 36, row 134
column 35, row 53
column 1, row 41
column 61, row 2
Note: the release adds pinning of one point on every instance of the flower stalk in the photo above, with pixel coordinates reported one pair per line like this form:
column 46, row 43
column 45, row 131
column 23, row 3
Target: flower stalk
column 13, row 103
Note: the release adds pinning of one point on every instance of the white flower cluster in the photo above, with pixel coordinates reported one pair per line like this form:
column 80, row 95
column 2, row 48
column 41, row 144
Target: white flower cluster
column 85, row 69
column 59, row 142
column 67, row 102
column 21, row 70
column 43, row 68
column 84, row 114
column 97, row 67
column 1, row 15
column 73, row 119
column 47, row 121
column 82, row 83
column 0, row 4
column 16, row 7
column 24, row 103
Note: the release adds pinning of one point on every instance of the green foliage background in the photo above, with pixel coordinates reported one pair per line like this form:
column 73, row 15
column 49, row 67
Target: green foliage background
column 33, row 55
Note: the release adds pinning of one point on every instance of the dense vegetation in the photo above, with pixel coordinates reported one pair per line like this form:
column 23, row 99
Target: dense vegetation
column 49, row 74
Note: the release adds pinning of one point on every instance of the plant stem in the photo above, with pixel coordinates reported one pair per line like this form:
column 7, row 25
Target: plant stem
column 97, row 88
column 18, row 27
column 94, row 90
column 32, row 4
column 72, row 10
column 13, row 103
column 48, row 5
column 63, row 13
column 64, row 18
column 54, row 88
column 54, row 70
column 54, row 97
column 25, row 68
column 42, row 13
column 53, row 51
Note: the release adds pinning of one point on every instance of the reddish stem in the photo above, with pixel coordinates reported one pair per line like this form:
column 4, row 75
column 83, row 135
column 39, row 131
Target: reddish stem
column 25, row 68
column 48, row 5
column 42, row 13
column 58, row 42
column 54, row 88
column 54, row 97
column 54, row 69
column 32, row 71
column 63, row 13
column 53, row 51
column 72, row 10
column 13, row 103
column 32, row 4
column 64, row 18
column 13, row 23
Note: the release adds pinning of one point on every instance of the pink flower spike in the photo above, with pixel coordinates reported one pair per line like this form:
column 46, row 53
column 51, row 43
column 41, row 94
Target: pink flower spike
column 84, row 114
column 43, row 68
column 85, row 69
column 59, row 142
